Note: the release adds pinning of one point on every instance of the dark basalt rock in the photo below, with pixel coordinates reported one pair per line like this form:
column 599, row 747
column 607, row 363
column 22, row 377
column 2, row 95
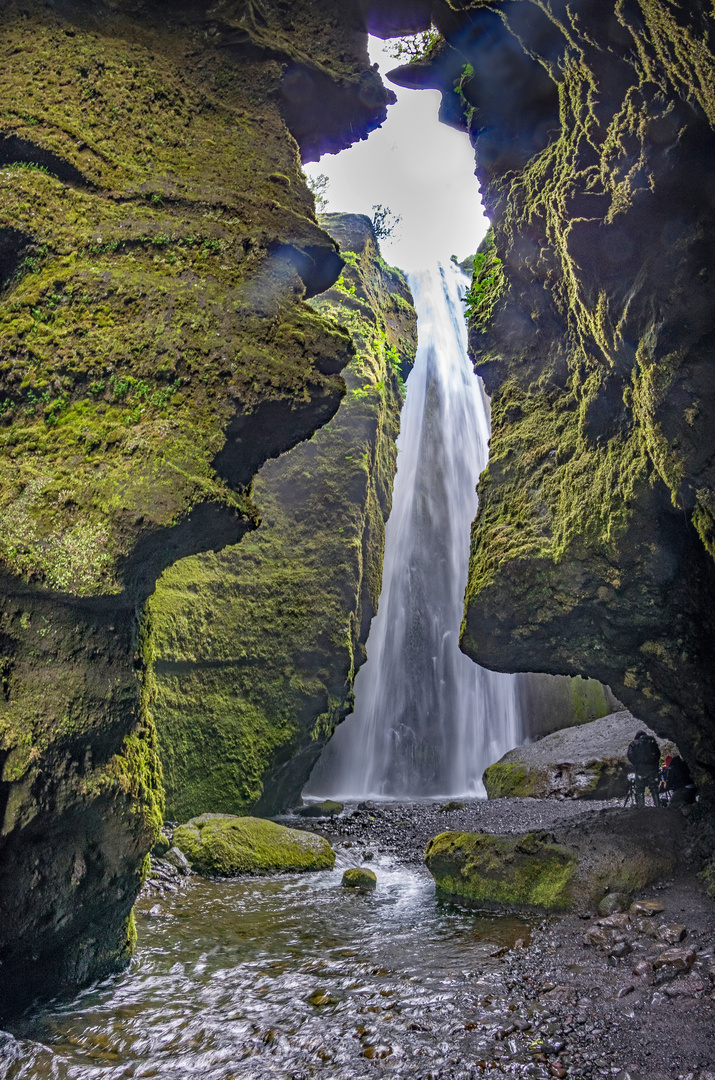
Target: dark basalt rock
column 157, row 244
column 592, row 325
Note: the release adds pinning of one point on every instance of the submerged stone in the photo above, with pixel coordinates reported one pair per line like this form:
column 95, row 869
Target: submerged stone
column 359, row 878
column 615, row 853
column 226, row 845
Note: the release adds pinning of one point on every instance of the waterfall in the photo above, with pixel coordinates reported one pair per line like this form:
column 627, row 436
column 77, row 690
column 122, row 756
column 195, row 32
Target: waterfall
column 427, row 720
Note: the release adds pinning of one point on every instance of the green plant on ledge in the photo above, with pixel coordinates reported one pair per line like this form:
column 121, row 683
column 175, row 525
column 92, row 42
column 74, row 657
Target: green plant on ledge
column 487, row 284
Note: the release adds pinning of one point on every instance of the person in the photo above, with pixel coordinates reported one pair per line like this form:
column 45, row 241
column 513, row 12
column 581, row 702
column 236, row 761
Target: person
column 644, row 755
column 678, row 781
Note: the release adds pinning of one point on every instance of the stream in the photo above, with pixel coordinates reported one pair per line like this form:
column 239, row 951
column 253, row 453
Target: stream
column 285, row 977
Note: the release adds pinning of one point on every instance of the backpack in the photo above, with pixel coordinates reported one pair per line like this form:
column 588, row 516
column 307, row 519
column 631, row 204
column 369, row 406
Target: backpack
column 644, row 754
column 677, row 775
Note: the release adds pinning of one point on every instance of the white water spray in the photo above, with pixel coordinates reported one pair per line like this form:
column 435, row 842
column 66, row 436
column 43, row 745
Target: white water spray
column 427, row 720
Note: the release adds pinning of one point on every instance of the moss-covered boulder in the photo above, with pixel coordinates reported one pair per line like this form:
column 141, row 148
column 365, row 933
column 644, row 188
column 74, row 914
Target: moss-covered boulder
column 584, row 762
column 226, row 845
column 359, row 878
column 524, row 872
column 575, row 865
column 257, row 646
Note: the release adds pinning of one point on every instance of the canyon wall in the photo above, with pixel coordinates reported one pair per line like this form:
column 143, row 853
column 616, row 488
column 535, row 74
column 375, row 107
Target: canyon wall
column 591, row 322
column 256, row 647
column 157, row 247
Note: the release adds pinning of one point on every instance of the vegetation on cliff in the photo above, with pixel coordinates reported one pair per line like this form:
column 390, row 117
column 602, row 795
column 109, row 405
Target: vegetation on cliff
column 157, row 246
column 257, row 646
column 592, row 550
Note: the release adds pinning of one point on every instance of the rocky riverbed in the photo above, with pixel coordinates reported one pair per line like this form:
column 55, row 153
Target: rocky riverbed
column 577, row 1008
column 295, row 977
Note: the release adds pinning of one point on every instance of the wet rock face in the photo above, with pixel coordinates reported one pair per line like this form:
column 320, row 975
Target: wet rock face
column 157, row 244
column 256, row 647
column 592, row 325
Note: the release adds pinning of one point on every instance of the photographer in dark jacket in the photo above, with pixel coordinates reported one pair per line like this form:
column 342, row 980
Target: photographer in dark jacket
column 644, row 755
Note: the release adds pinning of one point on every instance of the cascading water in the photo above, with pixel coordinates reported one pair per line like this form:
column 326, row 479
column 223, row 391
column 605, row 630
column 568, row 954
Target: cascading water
column 427, row 720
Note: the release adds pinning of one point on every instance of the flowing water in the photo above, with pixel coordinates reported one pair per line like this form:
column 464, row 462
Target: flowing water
column 286, row 977
column 295, row 977
column 427, row 720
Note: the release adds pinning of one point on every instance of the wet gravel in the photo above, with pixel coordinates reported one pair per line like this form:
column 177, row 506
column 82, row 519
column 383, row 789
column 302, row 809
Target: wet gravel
column 567, row 1008
column 404, row 829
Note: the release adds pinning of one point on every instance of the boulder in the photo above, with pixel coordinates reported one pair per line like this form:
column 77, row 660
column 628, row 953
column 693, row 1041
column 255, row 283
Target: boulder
column 359, row 878
column 574, row 866
column 326, row 808
column 225, row 845
column 583, row 762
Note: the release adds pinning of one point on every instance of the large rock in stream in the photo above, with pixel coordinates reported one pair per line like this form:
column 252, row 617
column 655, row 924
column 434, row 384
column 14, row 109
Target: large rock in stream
column 584, row 762
column 573, row 866
column 225, row 845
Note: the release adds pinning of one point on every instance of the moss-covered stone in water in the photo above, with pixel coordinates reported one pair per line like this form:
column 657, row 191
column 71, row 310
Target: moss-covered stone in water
column 226, row 845
column 359, row 878
column 527, row 872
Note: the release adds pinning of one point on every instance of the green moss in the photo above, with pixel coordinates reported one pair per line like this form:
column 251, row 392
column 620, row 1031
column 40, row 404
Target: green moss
column 136, row 325
column 526, row 872
column 589, row 700
column 131, row 934
column 559, row 482
column 226, row 845
column 504, row 780
column 257, row 646
column 359, row 878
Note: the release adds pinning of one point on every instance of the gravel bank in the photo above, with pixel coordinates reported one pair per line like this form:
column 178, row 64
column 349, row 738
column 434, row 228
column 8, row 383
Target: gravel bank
column 576, row 1010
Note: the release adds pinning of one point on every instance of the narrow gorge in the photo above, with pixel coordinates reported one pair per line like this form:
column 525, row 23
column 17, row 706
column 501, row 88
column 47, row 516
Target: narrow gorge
column 201, row 379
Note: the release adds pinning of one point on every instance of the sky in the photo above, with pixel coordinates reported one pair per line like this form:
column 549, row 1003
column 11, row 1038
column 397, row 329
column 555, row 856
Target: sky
column 419, row 168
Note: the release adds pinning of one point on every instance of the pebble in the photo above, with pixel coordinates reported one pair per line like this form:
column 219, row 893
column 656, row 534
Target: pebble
column 647, row 907
column 671, row 933
column 680, row 959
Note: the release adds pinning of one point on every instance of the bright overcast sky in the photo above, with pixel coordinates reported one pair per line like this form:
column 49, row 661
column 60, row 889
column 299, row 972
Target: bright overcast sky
column 421, row 169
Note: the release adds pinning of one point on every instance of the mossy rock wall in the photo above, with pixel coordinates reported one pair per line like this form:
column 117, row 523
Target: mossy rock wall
column 592, row 325
column 157, row 247
column 257, row 646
